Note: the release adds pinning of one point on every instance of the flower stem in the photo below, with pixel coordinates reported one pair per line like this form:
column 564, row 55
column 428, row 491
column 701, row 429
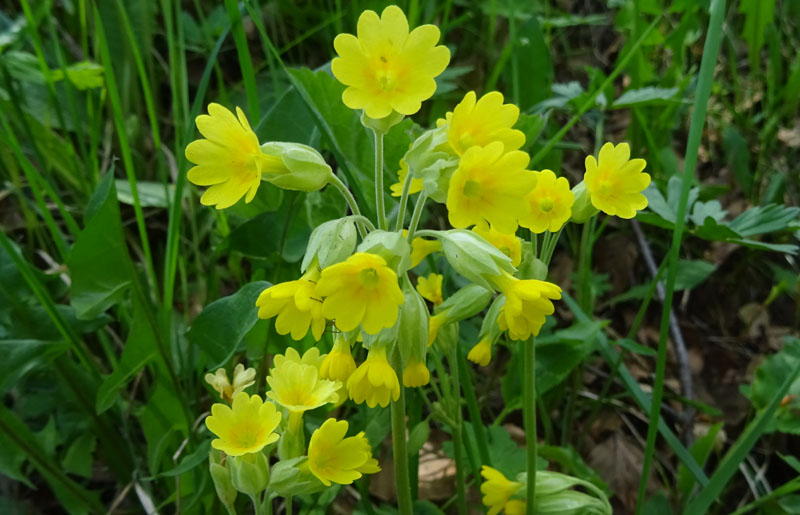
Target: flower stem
column 382, row 223
column 402, row 483
column 474, row 410
column 351, row 200
column 401, row 213
column 288, row 510
column 529, row 417
column 458, row 441
column 415, row 216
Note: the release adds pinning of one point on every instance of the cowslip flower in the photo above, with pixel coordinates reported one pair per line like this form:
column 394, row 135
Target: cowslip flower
column 361, row 290
column 296, row 305
column 508, row 244
column 489, row 185
column 434, row 324
column 332, row 458
column 497, row 489
column 374, row 381
column 415, row 373
column 310, row 357
column 550, row 202
column 402, row 173
column 387, row 68
column 481, row 352
column 298, row 388
column 431, row 288
column 245, row 427
column 422, row 248
column 514, row 507
column 615, row 181
column 242, row 378
column 478, row 123
column 338, row 364
column 527, row 304
column 229, row 160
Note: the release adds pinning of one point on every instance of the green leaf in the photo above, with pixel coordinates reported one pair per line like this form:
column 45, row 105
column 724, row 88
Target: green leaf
column 644, row 96
column 99, row 263
column 737, row 154
column 701, row 450
column 221, row 326
column 417, row 437
column 151, row 194
column 691, row 273
column 200, row 455
column 758, row 14
column 139, row 349
column 22, row 356
column 764, row 219
column 711, row 209
column 769, row 377
column 531, row 57
column 78, row 459
column 638, row 348
column 572, row 463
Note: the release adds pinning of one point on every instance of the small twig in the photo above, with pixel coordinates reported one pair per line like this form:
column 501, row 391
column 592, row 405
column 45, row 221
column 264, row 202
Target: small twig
column 685, row 375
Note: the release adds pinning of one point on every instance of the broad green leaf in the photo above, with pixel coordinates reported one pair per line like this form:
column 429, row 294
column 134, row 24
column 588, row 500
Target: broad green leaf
column 658, row 204
column 99, row 263
column 190, row 461
column 764, row 219
column 769, row 376
column 162, row 423
column 691, row 273
column 140, row 348
column 221, row 326
column 577, row 333
column 531, row 56
column 417, row 437
column 79, row 457
column 23, row 356
column 645, row 96
column 285, row 232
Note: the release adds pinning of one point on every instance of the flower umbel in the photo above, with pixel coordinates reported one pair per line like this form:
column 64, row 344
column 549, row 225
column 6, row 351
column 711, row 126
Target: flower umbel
column 550, row 202
column 387, row 68
column 479, row 123
column 361, row 290
column 615, row 181
column 527, row 304
column 229, row 160
column 298, row 388
column 489, row 185
column 296, row 304
column 242, row 378
column 332, row 458
column 496, row 489
column 374, row 381
column 431, row 288
column 245, row 427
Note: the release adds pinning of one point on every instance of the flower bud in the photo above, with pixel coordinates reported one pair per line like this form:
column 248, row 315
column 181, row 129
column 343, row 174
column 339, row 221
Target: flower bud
column 428, row 159
column 250, row 472
column 221, row 476
column 412, row 326
column 292, row 477
column 305, row 169
column 531, row 266
column 466, row 302
column 330, row 243
column 473, row 257
column 391, row 246
column 582, row 209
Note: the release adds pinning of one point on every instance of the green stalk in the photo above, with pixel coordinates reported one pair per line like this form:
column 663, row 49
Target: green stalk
column 245, row 61
column 415, row 216
column 351, row 201
column 458, row 440
column 705, row 82
column 529, row 418
column 379, row 200
column 474, row 410
column 401, row 213
column 786, row 488
column 404, row 503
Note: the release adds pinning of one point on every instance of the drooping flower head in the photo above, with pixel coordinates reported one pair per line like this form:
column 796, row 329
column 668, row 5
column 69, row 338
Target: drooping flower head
column 387, row 68
column 489, row 185
column 298, row 388
column 229, row 160
column 615, row 181
column 497, row 489
column 527, row 304
column 361, row 290
column 481, row 352
column 434, row 324
column 431, row 288
column 508, row 244
column 374, row 381
column 338, row 364
column 332, row 458
column 422, row 248
column 242, row 378
column 415, row 373
column 296, row 304
column 479, row 123
column 402, row 173
column 245, row 427
column 550, row 202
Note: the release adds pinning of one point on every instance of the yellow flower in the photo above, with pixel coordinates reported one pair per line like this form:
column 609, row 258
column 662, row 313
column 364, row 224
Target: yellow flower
column 242, row 378
column 336, row 459
column 229, row 159
column 515, row 507
column 385, row 67
column 527, row 303
column 298, row 388
column 416, row 373
column 402, row 173
column 422, row 248
column 490, row 185
column 479, row 123
column 245, row 427
column 374, row 381
column 434, row 324
column 615, row 181
column 296, row 304
column 339, row 364
column 309, row 357
column 550, row 201
column 508, row 244
column 481, row 353
column 496, row 489
column 361, row 290
column 431, row 288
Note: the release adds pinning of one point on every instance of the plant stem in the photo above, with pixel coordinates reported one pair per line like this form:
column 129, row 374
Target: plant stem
column 458, row 441
column 402, row 484
column 474, row 410
column 415, row 216
column 351, row 200
column 529, row 418
column 288, row 510
column 401, row 213
column 382, row 223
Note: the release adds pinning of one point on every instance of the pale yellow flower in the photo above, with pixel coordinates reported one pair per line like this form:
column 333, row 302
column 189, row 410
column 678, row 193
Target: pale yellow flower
column 332, row 458
column 374, row 381
column 615, row 181
column 245, row 427
column 242, row 378
column 478, row 123
column 431, row 288
column 508, row 244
